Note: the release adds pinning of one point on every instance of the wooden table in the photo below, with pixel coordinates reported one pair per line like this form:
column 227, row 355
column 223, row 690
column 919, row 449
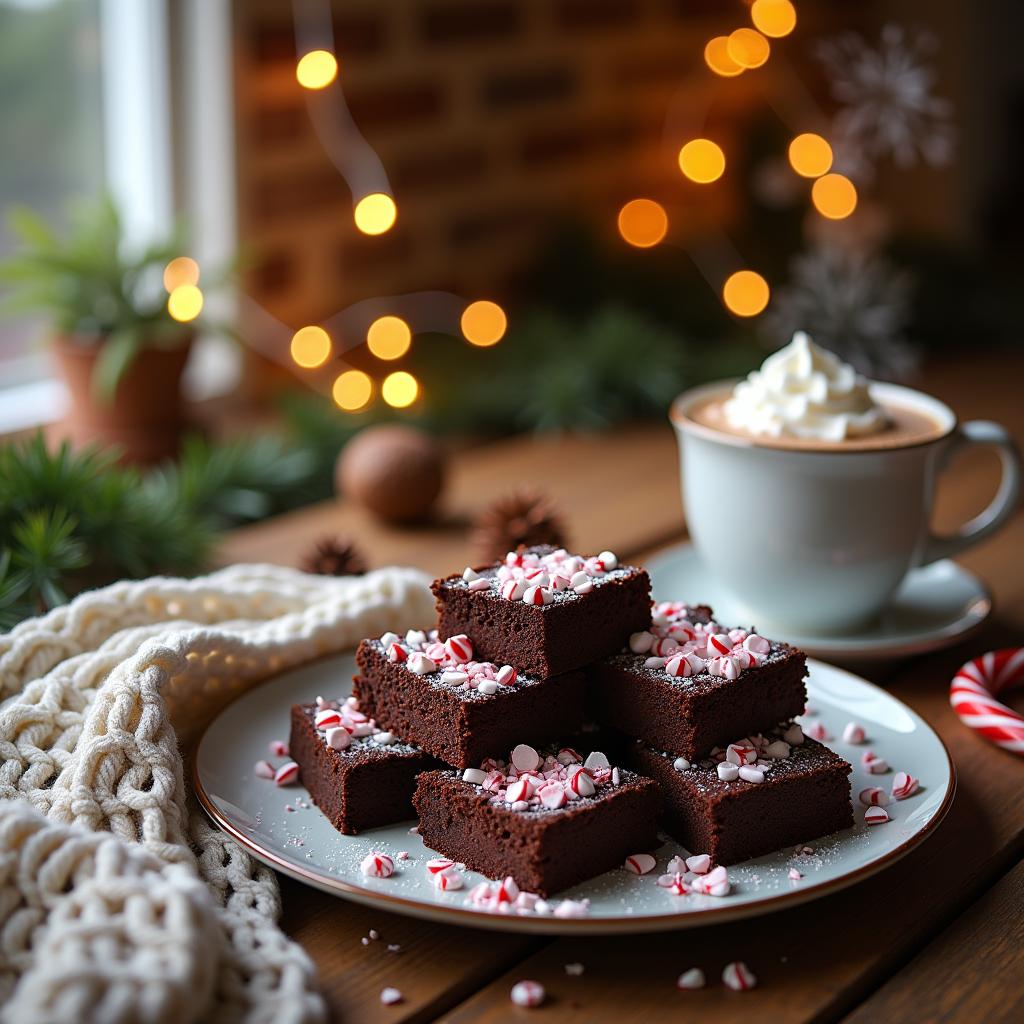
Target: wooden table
column 936, row 937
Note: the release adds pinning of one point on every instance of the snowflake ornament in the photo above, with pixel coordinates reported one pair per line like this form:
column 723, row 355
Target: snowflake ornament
column 887, row 107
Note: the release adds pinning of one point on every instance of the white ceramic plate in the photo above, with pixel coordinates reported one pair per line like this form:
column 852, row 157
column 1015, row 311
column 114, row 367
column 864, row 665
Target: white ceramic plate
column 936, row 606
column 301, row 842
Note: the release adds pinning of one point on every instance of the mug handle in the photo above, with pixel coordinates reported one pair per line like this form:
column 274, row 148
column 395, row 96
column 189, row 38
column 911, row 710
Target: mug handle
column 1002, row 506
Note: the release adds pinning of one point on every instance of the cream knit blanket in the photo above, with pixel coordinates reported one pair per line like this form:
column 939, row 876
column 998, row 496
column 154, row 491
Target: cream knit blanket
column 118, row 900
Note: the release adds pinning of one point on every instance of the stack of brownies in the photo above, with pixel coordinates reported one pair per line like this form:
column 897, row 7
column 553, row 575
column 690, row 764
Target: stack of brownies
column 485, row 727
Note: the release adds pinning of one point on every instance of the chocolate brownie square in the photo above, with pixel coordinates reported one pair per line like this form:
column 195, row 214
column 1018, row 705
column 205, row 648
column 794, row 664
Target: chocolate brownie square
column 360, row 776
column 545, row 611
column 547, row 820
column 760, row 794
column 461, row 710
column 688, row 684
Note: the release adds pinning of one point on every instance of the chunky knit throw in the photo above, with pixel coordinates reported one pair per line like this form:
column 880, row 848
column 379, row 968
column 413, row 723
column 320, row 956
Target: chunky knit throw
column 118, row 900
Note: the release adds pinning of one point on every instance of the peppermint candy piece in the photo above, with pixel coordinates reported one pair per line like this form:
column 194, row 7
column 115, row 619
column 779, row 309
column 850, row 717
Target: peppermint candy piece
column 438, row 864
column 640, row 643
column 580, row 784
column 876, row 816
column 738, row 976
column 525, row 758
column 377, row 865
column 454, row 677
column 750, row 773
column 724, row 667
column 778, row 749
column 795, row 875
column 873, row 796
column 608, row 561
column 727, row 771
column 740, row 753
column 384, row 738
column 278, row 748
column 327, row 718
column 397, row 653
column 874, row 764
column 508, row 891
column 338, row 739
column 757, row 644
column 714, row 883
column 390, row 996
column 596, row 761
column 469, row 574
column 481, row 584
column 527, row 993
column 488, row 687
column 691, row 979
column 286, row 774
column 513, row 590
column 699, row 864
column 263, row 770
column 415, row 637
column 552, row 794
column 521, row 790
column 817, row 731
column 640, row 863
column 569, row 756
column 448, row 881
column 794, row 735
column 506, row 675
column 387, row 639
column 684, row 665
column 854, row 733
column 537, row 596
column 903, row 785
column 719, row 643
column 420, row 664
column 680, row 764
column 474, row 775
column 459, row 648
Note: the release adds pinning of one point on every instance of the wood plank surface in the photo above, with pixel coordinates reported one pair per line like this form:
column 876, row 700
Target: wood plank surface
column 973, row 971
column 815, row 962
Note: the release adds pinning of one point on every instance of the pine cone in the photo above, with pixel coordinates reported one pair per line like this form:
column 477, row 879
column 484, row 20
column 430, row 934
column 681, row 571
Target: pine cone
column 334, row 556
column 522, row 517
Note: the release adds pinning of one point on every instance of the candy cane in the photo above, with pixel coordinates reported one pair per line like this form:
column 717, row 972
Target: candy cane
column 973, row 691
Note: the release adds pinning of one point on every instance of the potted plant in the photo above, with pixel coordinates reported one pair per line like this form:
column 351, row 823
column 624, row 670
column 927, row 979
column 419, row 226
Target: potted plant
column 116, row 343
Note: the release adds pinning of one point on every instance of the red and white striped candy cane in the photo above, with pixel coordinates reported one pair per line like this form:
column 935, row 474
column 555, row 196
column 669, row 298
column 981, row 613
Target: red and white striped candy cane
column 973, row 697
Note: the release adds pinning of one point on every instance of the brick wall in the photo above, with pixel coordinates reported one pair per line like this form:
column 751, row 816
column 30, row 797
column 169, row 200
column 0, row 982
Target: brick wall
column 493, row 118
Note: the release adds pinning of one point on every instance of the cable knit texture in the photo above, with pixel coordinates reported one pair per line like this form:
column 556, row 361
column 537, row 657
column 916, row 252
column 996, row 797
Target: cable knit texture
column 119, row 901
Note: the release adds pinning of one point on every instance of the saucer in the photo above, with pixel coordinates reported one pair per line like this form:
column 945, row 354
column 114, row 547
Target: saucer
column 935, row 607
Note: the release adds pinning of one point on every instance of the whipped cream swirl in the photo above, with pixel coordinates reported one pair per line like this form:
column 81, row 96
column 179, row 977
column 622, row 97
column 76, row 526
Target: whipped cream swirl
column 803, row 391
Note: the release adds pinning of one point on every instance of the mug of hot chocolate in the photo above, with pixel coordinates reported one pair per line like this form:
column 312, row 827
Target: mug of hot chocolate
column 808, row 490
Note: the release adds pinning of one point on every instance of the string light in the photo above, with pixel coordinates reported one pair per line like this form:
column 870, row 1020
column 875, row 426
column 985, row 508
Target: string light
column 483, row 323
column 702, row 160
column 316, row 69
column 311, row 347
column 716, row 56
column 181, row 270
column 810, row 155
column 747, row 47
column 400, row 389
column 185, row 303
column 389, row 337
column 375, row 213
column 745, row 293
column 775, row 18
column 834, row 196
column 352, row 390
column 643, row 223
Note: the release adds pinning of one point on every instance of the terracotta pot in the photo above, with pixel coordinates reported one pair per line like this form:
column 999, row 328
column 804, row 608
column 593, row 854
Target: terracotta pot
column 145, row 418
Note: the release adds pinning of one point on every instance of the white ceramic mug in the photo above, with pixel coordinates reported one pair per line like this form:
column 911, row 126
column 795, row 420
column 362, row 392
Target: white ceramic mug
column 818, row 541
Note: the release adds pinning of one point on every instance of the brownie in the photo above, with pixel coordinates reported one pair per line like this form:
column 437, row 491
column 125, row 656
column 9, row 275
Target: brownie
column 369, row 783
column 587, row 608
column 544, row 848
column 805, row 794
column 455, row 707
column 676, row 690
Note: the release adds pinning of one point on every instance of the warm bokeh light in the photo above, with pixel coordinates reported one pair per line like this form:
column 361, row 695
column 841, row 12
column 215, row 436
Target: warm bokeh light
column 316, row 69
column 775, row 18
column 834, row 196
column 702, row 160
column 389, row 337
column 745, row 293
column 400, row 389
column 643, row 222
column 181, row 270
column 185, row 303
column 311, row 347
column 747, row 47
column 483, row 323
column 352, row 390
column 716, row 56
column 810, row 155
column 375, row 213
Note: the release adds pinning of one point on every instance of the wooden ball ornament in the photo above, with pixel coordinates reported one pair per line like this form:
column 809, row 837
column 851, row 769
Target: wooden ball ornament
column 396, row 472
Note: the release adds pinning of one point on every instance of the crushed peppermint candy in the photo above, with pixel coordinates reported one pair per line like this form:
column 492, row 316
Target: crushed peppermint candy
column 903, row 785
column 542, row 578
column 640, row 863
column 287, row 774
column 390, row 996
column 875, row 816
column 681, row 646
column 530, row 781
column 341, row 726
column 263, row 770
column 527, row 993
column 377, row 865
column 854, row 733
column 691, row 979
column 738, row 976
